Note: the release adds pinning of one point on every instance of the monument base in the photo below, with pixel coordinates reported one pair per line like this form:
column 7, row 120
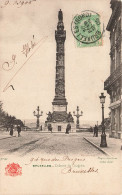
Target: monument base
column 60, row 127
column 59, row 120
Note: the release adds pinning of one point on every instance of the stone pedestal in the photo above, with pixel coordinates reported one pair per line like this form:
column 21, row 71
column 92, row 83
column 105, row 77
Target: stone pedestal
column 60, row 127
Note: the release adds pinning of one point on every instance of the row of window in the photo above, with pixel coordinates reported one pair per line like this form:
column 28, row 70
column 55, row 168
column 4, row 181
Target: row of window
column 115, row 94
column 115, row 38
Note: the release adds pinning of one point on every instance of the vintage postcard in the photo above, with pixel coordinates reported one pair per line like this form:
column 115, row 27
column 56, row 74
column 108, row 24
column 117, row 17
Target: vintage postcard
column 60, row 97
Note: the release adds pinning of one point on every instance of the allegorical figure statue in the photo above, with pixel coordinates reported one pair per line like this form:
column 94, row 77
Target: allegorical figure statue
column 70, row 118
column 49, row 118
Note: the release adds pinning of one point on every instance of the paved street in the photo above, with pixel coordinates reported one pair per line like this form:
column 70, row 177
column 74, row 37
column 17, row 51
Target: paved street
column 55, row 143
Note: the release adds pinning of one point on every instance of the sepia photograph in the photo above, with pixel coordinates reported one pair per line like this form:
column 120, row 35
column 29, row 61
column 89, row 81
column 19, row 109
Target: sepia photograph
column 60, row 97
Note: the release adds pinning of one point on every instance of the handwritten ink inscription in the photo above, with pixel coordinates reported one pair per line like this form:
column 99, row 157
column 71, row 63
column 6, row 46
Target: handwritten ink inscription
column 28, row 47
column 62, row 159
column 72, row 170
column 16, row 3
column 9, row 65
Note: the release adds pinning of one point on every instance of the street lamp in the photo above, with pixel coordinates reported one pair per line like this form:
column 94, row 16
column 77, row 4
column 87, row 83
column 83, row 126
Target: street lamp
column 103, row 135
column 77, row 116
column 38, row 116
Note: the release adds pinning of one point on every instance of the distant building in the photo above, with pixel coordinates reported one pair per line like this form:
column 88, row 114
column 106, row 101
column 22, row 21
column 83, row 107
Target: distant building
column 113, row 84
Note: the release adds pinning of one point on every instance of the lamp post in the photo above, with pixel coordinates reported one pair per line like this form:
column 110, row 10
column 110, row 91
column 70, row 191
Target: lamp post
column 77, row 116
column 38, row 116
column 103, row 135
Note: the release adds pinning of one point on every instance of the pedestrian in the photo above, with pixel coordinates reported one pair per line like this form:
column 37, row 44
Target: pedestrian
column 18, row 130
column 50, row 128
column 67, row 131
column 41, row 128
column 95, row 131
column 68, row 128
column 11, row 130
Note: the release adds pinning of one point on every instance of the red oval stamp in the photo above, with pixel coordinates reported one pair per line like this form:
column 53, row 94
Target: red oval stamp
column 13, row 169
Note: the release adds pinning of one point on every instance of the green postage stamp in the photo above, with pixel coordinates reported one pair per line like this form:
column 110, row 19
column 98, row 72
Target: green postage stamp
column 86, row 28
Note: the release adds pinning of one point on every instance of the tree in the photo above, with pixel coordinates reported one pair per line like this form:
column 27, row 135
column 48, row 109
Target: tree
column 7, row 120
column 2, row 114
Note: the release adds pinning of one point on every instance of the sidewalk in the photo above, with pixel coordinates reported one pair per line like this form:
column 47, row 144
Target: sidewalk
column 113, row 145
column 5, row 135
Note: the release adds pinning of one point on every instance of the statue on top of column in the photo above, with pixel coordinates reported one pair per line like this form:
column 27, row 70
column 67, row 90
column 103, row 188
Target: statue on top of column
column 60, row 15
column 60, row 26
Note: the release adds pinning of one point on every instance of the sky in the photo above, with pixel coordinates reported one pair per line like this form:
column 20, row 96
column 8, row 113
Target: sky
column 86, row 69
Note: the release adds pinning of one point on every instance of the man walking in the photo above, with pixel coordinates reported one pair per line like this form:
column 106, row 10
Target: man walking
column 50, row 127
column 11, row 130
column 18, row 130
column 95, row 131
column 68, row 128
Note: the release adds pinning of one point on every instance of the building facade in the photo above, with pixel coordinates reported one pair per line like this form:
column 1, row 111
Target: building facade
column 59, row 118
column 113, row 84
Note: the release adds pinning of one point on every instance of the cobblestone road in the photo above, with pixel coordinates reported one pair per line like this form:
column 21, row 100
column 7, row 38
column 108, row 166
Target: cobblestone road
column 55, row 143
